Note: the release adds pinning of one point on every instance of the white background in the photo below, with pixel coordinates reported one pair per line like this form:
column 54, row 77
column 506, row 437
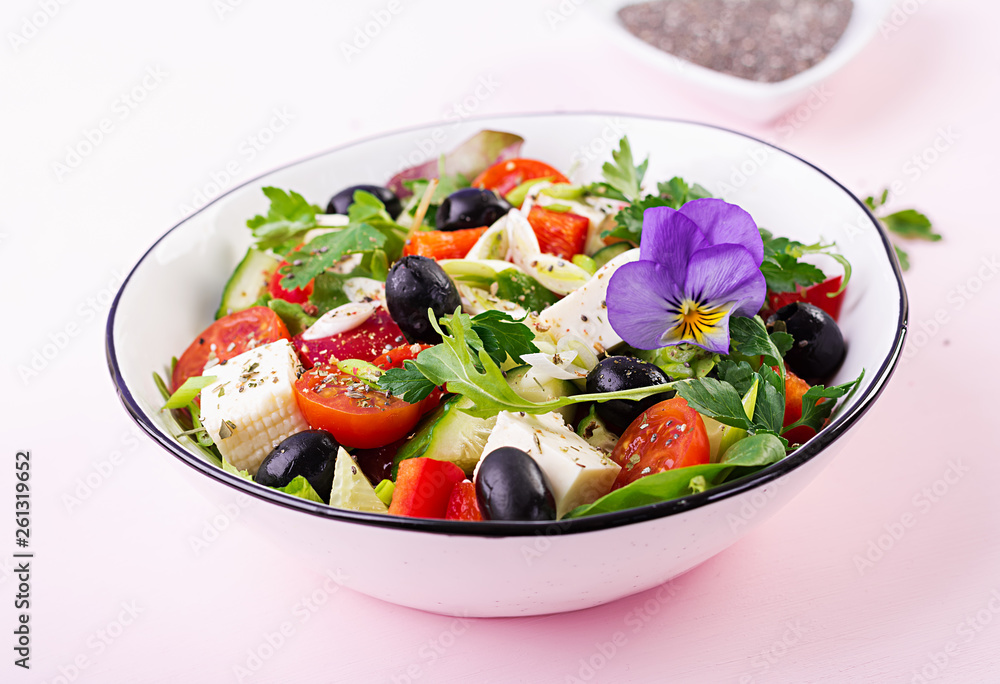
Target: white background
column 810, row 596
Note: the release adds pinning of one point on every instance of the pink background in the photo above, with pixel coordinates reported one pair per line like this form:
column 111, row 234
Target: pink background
column 886, row 569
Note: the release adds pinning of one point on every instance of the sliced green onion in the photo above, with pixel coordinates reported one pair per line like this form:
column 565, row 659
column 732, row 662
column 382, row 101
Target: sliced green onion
column 384, row 491
column 186, row 393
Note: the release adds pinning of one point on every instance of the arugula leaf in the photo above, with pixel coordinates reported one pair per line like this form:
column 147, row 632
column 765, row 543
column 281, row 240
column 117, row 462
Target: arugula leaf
column 501, row 336
column 623, row 179
column 745, row 457
column 910, row 223
column 186, row 393
column 815, row 410
column 288, row 218
column 480, row 379
column 407, row 383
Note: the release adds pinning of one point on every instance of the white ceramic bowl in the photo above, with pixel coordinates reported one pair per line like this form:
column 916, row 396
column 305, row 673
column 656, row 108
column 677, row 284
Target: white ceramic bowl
column 505, row 569
column 751, row 100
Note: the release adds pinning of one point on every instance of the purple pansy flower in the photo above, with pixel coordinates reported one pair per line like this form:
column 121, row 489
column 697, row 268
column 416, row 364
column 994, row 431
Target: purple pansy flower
column 697, row 266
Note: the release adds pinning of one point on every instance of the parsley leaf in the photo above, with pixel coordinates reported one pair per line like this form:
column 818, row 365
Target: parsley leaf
column 326, row 250
column 678, row 192
column 501, row 336
column 715, row 399
column 910, row 223
column 407, row 383
column 785, row 273
column 288, row 218
column 628, row 221
column 815, row 410
column 748, row 337
column 904, row 258
column 907, row 223
column 623, row 179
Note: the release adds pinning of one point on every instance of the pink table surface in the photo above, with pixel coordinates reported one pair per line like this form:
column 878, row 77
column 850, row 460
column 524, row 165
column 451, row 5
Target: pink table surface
column 886, row 569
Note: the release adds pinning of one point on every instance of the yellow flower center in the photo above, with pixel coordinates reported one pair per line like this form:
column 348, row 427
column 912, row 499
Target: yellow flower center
column 695, row 319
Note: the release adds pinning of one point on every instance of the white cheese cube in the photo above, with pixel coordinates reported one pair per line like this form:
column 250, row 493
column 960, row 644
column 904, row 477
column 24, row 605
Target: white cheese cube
column 576, row 472
column 251, row 406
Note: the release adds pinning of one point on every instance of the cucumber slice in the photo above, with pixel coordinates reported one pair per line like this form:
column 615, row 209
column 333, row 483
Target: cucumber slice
column 597, row 434
column 606, row 254
column 455, row 436
column 529, row 387
column 351, row 489
column 247, row 283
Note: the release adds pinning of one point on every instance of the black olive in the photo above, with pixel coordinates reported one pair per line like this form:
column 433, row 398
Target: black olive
column 414, row 284
column 511, row 486
column 310, row 453
column 621, row 373
column 470, row 208
column 818, row 349
column 345, row 198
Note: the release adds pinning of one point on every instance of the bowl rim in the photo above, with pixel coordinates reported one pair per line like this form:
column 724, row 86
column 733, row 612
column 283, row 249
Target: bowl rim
column 769, row 474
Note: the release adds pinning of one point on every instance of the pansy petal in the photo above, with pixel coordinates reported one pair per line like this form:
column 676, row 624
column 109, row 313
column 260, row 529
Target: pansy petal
column 726, row 273
column 725, row 223
column 669, row 238
column 641, row 299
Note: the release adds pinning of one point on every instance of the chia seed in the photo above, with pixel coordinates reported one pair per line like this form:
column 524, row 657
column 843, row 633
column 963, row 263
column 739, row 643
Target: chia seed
column 759, row 40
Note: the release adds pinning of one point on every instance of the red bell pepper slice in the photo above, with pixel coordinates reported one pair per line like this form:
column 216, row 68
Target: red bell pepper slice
column 463, row 504
column 423, row 487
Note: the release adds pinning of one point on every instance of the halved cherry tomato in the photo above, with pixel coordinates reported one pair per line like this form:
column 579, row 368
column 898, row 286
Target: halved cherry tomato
column 394, row 358
column 560, row 233
column 506, row 175
column 227, row 337
column 668, row 435
column 817, row 295
column 463, row 504
column 443, row 244
column 795, row 387
column 370, row 339
column 355, row 414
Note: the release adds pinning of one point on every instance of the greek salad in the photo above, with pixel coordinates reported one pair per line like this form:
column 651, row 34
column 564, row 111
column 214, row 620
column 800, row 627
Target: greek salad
column 483, row 338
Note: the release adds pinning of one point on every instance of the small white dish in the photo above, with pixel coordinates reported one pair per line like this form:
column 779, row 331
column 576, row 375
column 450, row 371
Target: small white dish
column 755, row 101
column 508, row 569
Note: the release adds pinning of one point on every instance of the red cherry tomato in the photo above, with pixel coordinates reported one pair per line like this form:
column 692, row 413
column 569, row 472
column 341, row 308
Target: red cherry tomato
column 355, row 414
column 370, row 339
column 299, row 295
column 227, row 337
column 795, row 387
column 559, row 233
column 443, row 244
column 506, row 175
column 817, row 295
column 668, row 435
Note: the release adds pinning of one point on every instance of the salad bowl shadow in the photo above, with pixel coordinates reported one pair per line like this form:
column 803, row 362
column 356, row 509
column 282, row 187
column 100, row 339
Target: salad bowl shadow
column 510, row 568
